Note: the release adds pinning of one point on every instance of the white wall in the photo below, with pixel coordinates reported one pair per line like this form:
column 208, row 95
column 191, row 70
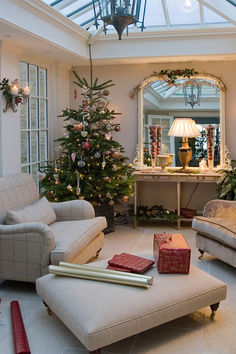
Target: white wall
column 126, row 77
column 58, row 79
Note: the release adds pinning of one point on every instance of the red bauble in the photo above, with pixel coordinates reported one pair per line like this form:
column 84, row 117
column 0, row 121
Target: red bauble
column 125, row 199
column 116, row 154
column 78, row 126
column 107, row 179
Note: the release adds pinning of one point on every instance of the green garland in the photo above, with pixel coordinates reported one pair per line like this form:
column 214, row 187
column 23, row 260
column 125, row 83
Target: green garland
column 156, row 212
column 172, row 75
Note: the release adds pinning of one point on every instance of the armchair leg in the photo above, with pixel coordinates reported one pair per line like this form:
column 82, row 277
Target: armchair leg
column 49, row 311
column 214, row 308
column 201, row 255
column 97, row 351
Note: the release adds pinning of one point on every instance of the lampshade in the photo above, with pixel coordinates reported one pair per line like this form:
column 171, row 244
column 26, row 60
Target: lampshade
column 184, row 127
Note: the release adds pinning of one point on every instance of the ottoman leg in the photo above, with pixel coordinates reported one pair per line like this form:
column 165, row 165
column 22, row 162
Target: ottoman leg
column 97, row 254
column 97, row 351
column 214, row 308
column 201, row 255
column 49, row 311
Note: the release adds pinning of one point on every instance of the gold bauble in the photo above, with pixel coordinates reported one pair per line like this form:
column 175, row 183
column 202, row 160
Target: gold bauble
column 116, row 154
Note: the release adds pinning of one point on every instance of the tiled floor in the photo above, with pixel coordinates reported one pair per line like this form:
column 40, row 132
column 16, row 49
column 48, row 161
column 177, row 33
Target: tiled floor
column 192, row 334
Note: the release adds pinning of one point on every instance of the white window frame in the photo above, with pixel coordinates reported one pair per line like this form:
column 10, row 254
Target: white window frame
column 29, row 164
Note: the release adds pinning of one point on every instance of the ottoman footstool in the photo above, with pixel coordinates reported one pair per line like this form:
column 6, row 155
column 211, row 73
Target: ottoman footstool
column 103, row 313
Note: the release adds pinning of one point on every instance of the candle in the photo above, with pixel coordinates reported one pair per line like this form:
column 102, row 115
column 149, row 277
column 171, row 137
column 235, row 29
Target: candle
column 14, row 90
column 202, row 164
column 26, row 91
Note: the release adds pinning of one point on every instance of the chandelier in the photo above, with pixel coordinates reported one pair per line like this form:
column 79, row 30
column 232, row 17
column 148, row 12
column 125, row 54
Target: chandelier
column 192, row 92
column 119, row 13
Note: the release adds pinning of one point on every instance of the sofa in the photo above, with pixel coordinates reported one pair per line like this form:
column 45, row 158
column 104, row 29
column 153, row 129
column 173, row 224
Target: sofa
column 216, row 230
column 35, row 233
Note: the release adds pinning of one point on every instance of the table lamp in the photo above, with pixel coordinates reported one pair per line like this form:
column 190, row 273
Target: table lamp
column 185, row 128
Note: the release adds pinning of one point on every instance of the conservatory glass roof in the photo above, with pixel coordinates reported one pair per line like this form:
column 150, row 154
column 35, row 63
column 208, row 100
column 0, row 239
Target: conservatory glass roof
column 158, row 14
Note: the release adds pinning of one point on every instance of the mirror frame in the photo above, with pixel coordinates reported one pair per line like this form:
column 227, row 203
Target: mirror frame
column 140, row 89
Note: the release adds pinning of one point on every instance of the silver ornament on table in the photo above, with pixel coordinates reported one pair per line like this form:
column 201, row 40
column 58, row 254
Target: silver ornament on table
column 81, row 162
column 84, row 133
column 97, row 155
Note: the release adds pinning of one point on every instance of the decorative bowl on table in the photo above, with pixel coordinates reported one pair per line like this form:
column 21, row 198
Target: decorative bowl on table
column 163, row 161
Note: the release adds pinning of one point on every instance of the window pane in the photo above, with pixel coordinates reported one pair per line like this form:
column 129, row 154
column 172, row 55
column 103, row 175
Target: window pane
column 23, row 72
column 25, row 169
column 183, row 12
column 43, row 137
column 34, row 147
column 33, row 80
column 34, row 172
column 24, row 116
column 24, row 147
column 42, row 82
column 34, row 113
column 43, row 122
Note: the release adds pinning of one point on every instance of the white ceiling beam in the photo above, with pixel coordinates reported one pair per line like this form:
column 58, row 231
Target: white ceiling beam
column 95, row 34
column 201, row 14
column 222, row 8
column 165, row 12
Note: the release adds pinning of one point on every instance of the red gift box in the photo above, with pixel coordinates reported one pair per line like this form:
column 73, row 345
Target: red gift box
column 171, row 253
column 131, row 262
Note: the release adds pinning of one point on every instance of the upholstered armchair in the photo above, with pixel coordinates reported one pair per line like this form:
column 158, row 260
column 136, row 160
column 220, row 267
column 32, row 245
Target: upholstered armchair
column 216, row 230
column 35, row 233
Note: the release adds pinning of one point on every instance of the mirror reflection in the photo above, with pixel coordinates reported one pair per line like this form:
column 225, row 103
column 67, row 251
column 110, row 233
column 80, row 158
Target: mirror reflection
column 198, row 99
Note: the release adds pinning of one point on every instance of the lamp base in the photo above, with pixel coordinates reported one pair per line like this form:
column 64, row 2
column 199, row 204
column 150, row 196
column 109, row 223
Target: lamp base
column 185, row 157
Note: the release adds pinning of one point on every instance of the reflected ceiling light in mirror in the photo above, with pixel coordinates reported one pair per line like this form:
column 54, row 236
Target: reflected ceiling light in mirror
column 192, row 92
column 187, row 5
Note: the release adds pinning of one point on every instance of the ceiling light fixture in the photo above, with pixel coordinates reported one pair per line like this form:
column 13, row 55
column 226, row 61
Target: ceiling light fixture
column 192, row 92
column 119, row 13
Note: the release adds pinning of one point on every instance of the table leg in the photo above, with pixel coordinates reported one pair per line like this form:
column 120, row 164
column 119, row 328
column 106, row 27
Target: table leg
column 135, row 203
column 178, row 206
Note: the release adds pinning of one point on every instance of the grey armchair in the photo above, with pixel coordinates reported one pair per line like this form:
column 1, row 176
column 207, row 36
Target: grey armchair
column 216, row 230
column 27, row 248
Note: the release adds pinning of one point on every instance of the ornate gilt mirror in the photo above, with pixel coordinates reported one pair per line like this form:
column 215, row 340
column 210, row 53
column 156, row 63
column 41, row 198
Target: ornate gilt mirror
column 168, row 95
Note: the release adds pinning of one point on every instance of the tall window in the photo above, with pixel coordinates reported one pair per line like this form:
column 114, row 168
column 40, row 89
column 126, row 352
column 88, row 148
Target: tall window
column 34, row 120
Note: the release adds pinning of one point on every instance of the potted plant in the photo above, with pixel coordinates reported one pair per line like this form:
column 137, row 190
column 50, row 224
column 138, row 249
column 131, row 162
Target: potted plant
column 226, row 185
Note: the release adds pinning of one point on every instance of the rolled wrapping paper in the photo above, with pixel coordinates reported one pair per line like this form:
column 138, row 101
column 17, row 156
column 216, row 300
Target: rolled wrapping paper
column 105, row 276
column 106, row 271
column 21, row 344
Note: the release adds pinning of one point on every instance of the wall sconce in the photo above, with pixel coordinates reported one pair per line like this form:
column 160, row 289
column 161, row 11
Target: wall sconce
column 14, row 94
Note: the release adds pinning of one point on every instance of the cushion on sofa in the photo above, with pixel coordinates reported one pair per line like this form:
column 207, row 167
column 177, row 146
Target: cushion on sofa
column 219, row 229
column 71, row 237
column 40, row 211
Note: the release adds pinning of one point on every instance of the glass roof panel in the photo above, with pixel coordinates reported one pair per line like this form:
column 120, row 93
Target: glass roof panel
column 154, row 15
column 212, row 17
column 164, row 13
column 180, row 14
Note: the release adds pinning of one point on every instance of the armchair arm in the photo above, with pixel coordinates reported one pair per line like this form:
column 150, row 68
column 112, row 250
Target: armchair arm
column 73, row 210
column 218, row 208
column 25, row 250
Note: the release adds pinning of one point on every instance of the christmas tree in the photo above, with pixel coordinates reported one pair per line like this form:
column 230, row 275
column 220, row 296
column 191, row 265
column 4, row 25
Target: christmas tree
column 91, row 165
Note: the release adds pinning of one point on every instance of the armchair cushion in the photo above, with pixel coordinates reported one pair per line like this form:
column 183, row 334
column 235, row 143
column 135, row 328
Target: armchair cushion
column 219, row 229
column 40, row 211
column 71, row 237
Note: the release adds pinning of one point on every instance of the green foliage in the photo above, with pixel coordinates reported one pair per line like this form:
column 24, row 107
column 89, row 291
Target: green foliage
column 172, row 75
column 91, row 164
column 156, row 212
column 226, row 185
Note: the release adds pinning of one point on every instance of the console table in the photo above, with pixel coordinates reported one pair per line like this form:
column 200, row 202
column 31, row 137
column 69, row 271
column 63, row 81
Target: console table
column 178, row 178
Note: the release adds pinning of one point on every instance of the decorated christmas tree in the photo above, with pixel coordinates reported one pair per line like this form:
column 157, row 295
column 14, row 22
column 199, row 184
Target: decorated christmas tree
column 91, row 165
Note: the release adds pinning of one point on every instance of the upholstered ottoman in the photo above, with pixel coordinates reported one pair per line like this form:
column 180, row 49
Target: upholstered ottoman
column 102, row 313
